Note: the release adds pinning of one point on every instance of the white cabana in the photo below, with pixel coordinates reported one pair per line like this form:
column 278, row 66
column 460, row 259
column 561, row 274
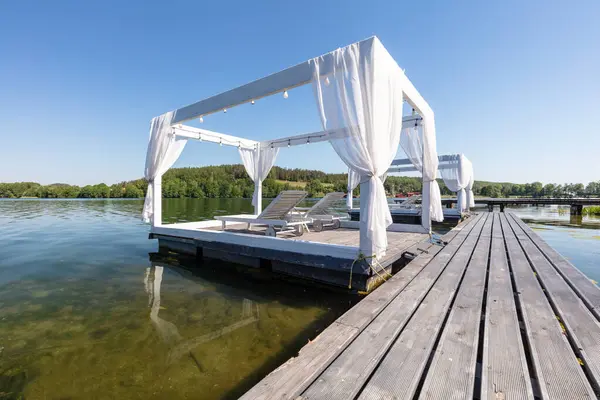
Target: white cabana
column 359, row 91
column 457, row 172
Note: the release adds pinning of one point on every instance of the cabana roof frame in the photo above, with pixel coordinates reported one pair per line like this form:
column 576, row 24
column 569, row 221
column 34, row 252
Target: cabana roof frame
column 161, row 150
column 298, row 75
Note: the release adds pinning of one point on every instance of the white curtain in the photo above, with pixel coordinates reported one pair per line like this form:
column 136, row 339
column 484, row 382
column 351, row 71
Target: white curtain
column 258, row 162
column 361, row 96
column 457, row 175
column 470, row 196
column 353, row 181
column 163, row 150
column 418, row 143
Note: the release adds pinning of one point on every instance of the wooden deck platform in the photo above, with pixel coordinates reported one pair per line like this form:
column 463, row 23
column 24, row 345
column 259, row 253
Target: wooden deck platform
column 326, row 257
column 494, row 314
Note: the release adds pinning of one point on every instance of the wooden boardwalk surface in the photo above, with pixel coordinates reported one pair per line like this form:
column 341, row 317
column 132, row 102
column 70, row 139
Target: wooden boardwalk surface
column 494, row 314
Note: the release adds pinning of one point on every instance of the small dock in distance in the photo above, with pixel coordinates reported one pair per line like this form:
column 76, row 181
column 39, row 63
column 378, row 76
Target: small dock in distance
column 494, row 314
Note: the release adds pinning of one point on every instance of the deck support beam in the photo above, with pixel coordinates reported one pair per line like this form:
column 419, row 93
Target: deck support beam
column 157, row 201
column 576, row 209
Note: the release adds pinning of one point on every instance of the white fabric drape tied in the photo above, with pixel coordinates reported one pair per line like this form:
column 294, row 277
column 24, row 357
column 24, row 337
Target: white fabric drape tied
column 362, row 109
column 164, row 149
column 353, row 181
column 469, row 190
column 457, row 175
column 258, row 163
column 418, row 143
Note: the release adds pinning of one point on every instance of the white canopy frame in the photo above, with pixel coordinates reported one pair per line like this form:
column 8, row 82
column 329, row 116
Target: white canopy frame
column 298, row 75
column 457, row 162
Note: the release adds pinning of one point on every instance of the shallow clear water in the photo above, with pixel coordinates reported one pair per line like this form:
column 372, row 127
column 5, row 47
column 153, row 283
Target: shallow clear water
column 87, row 312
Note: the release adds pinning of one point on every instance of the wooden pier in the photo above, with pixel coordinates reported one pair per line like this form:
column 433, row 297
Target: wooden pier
column 326, row 257
column 494, row 314
column 576, row 203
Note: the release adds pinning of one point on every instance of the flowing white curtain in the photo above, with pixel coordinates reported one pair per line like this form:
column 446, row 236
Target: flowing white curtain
column 258, row 162
column 362, row 97
column 457, row 175
column 353, row 181
column 470, row 196
column 164, row 149
column 419, row 146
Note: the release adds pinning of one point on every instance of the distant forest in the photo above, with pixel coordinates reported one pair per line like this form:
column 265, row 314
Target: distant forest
column 232, row 181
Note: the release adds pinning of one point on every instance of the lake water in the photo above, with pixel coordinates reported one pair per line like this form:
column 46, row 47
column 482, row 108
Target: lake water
column 88, row 312
column 85, row 314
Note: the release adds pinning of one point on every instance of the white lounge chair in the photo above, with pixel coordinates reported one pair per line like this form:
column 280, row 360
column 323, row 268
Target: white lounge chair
column 320, row 214
column 276, row 215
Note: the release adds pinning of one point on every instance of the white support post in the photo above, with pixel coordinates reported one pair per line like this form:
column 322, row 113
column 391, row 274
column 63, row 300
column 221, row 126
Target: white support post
column 157, row 201
column 258, row 196
column 426, row 206
column 365, row 244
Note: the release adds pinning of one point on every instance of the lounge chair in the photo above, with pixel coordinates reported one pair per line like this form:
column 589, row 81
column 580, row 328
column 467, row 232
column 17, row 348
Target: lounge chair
column 320, row 214
column 276, row 215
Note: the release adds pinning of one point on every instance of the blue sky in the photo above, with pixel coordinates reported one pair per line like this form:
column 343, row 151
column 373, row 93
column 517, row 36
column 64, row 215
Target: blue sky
column 514, row 84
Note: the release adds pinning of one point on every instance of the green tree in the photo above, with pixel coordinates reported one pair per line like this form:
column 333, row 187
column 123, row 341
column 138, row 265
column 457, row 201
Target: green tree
column 133, row 192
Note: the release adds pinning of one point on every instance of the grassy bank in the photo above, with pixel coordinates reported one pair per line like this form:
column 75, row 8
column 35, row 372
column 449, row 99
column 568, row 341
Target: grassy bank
column 593, row 210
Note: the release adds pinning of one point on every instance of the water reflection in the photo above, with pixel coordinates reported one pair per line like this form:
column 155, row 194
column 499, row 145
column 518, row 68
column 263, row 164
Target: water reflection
column 169, row 332
column 85, row 314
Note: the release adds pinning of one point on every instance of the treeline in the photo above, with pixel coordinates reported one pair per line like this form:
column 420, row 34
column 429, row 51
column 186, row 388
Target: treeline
column 536, row 189
column 227, row 181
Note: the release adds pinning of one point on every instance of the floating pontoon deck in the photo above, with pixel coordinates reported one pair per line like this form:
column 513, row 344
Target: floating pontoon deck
column 360, row 93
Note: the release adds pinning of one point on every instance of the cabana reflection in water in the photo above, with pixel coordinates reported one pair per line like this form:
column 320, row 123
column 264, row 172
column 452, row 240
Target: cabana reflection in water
column 359, row 91
column 169, row 333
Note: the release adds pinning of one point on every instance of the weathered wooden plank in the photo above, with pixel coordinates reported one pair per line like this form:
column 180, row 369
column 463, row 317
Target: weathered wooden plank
column 504, row 365
column 304, row 368
column 581, row 284
column 346, row 375
column 398, row 374
column 580, row 324
column 452, row 370
column 558, row 372
column 368, row 308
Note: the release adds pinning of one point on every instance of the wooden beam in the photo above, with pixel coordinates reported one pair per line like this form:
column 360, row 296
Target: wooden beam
column 443, row 158
column 298, row 75
column 289, row 78
column 323, row 136
column 205, row 135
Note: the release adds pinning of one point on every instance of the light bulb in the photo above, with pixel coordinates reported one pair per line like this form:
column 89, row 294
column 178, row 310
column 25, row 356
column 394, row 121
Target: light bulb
column 285, row 94
column 200, row 137
column 271, row 145
column 326, row 81
column 201, row 119
column 224, row 110
column 220, row 143
column 252, row 102
column 308, row 141
column 289, row 143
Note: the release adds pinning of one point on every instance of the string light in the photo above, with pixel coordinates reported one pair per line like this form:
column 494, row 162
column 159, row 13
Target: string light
column 271, row 144
column 201, row 119
column 220, row 142
column 252, row 102
column 327, row 81
column 289, row 142
column 239, row 145
column 308, row 140
column 285, row 94
column 200, row 137
column 224, row 110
